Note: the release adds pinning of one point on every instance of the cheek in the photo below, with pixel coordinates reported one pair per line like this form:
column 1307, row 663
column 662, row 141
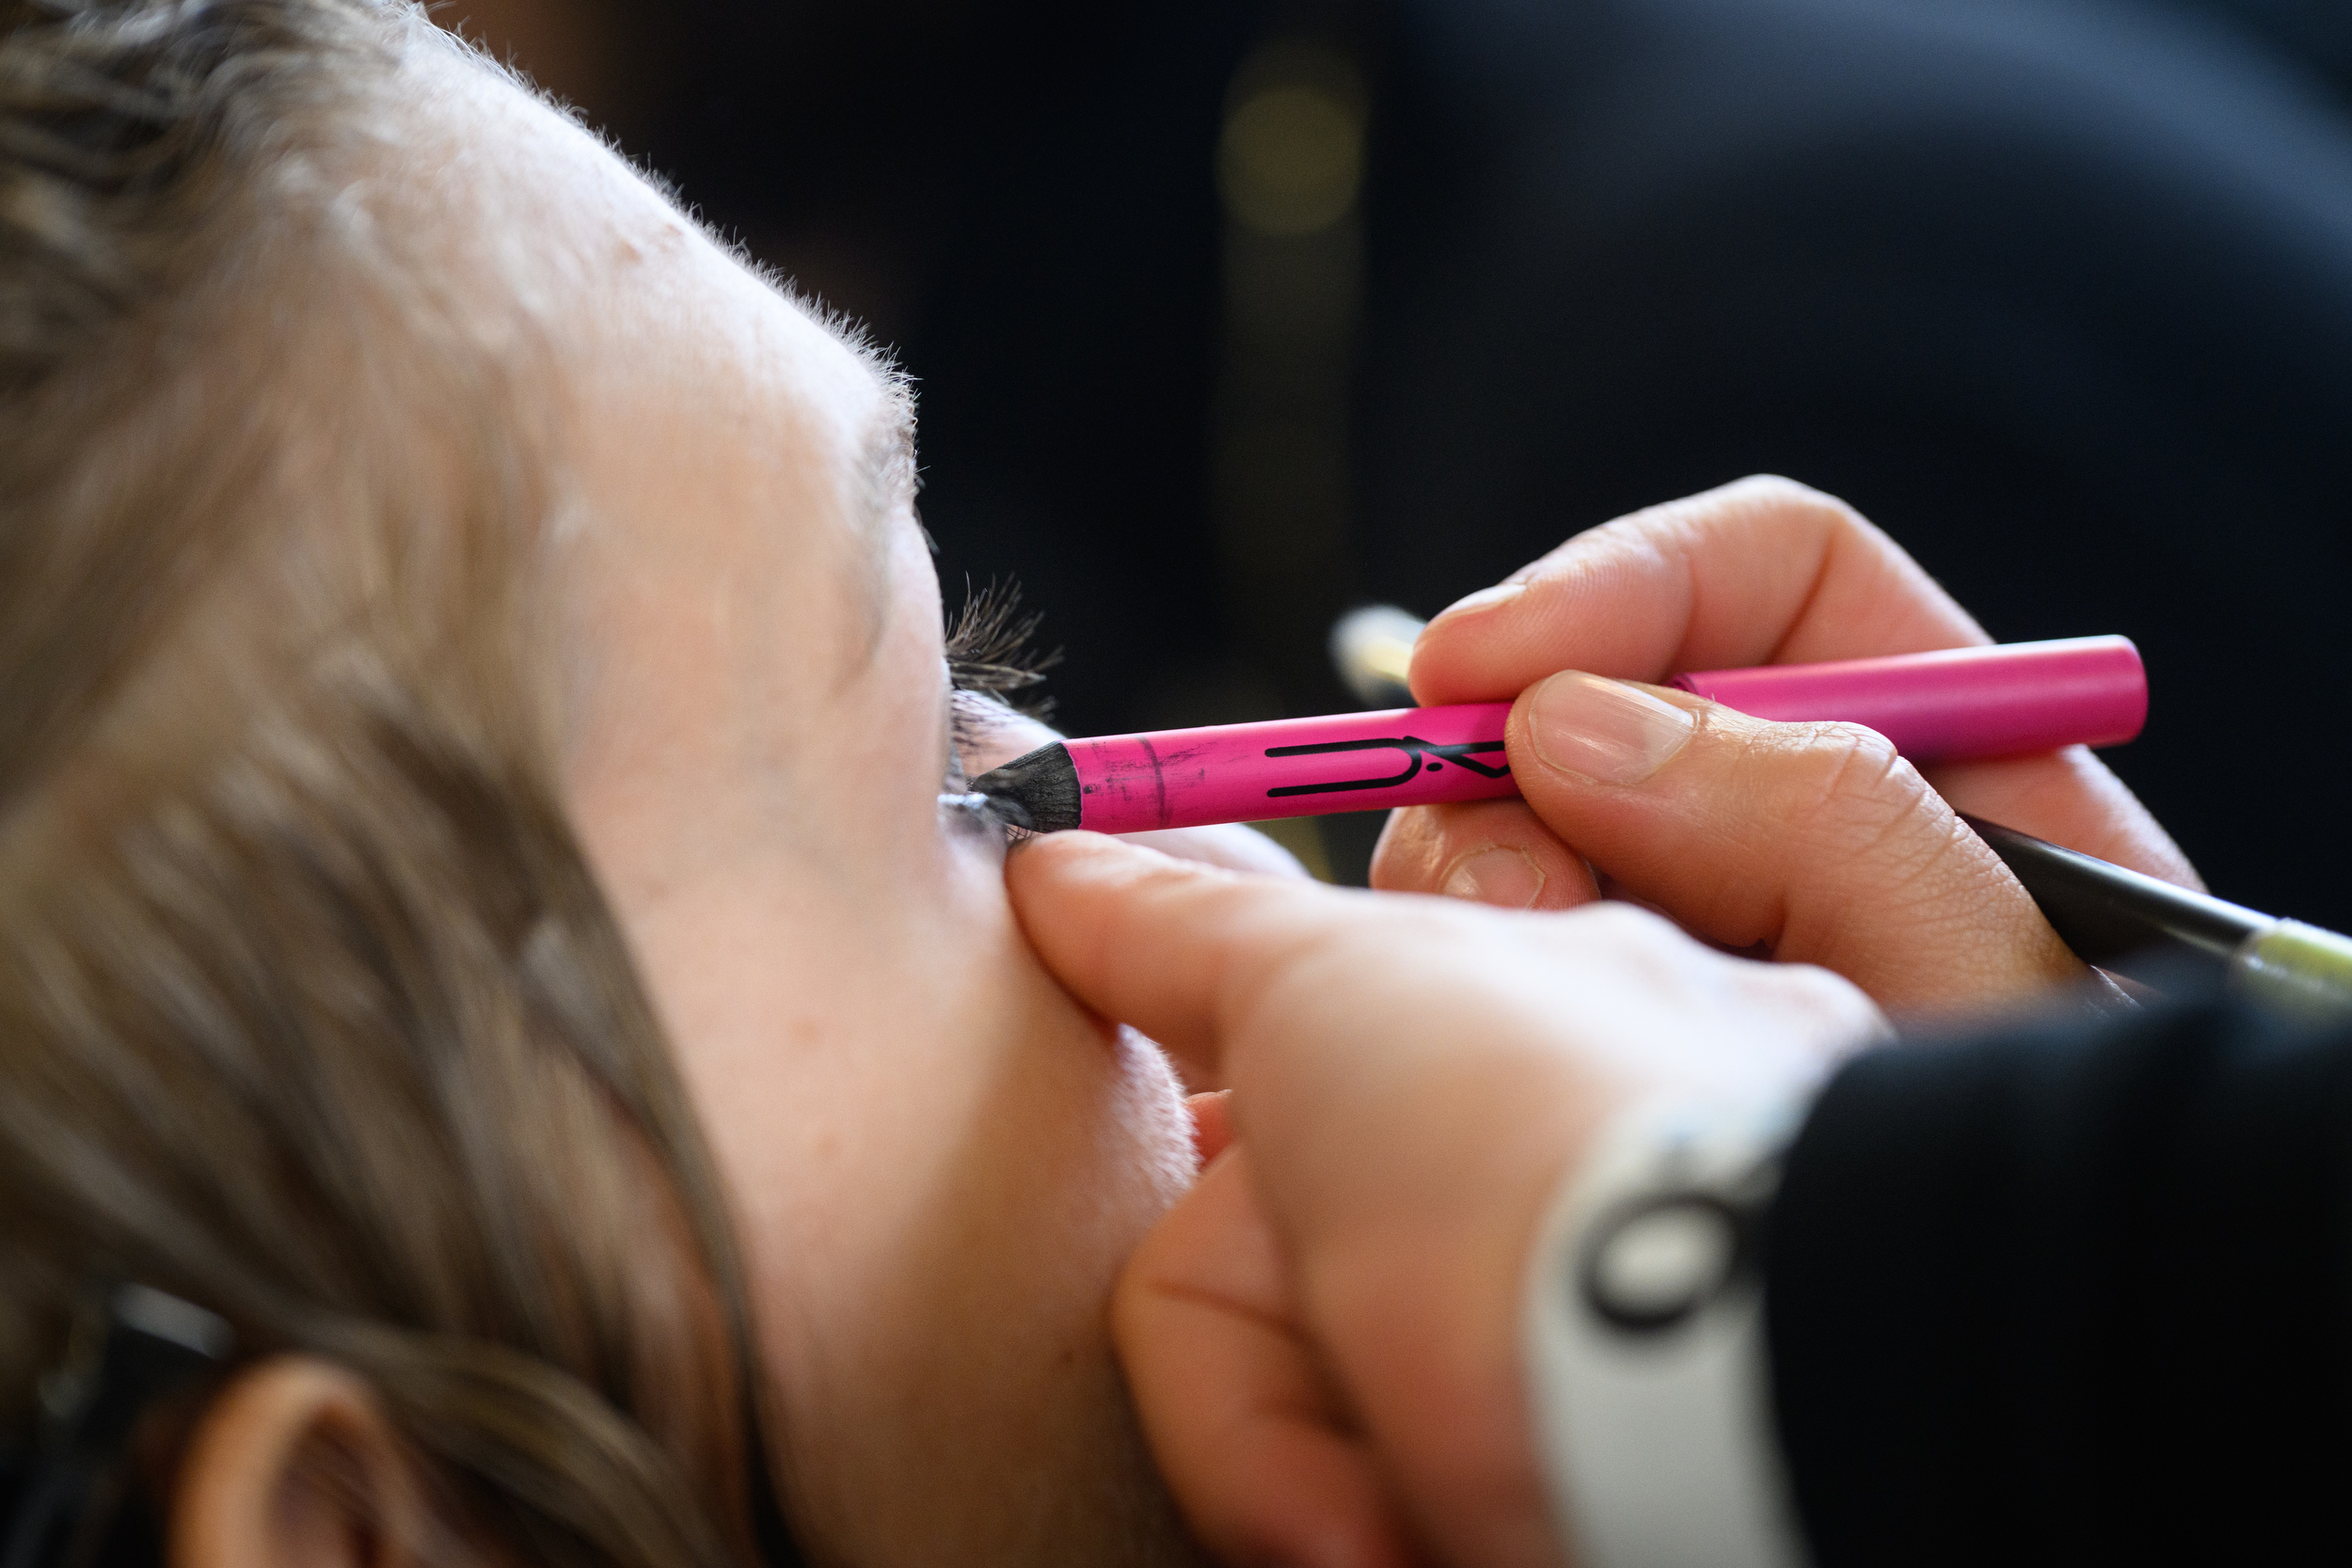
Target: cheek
column 940, row 1162
column 937, row 1070
column 936, row 1242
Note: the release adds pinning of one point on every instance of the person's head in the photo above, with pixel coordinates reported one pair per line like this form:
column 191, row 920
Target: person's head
column 477, row 911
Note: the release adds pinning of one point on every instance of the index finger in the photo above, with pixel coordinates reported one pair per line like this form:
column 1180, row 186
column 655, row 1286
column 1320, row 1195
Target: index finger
column 1177, row 949
column 1764, row 571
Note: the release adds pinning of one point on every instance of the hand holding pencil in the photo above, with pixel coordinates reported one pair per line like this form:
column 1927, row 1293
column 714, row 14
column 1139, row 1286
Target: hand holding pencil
column 1776, row 806
column 1408, row 1080
column 1321, row 1336
column 1813, row 842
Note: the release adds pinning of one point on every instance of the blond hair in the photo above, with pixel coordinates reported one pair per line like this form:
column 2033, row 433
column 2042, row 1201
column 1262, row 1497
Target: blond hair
column 310, row 1009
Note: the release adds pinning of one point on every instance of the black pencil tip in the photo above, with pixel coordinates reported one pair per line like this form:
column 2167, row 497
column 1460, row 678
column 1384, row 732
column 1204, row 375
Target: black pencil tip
column 1037, row 791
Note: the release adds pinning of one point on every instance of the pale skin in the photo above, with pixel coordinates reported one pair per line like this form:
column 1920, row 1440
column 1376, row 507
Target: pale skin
column 938, row 1160
column 940, row 1152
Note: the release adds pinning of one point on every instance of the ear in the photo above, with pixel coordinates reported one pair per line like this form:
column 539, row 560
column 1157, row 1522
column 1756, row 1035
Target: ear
column 295, row 1465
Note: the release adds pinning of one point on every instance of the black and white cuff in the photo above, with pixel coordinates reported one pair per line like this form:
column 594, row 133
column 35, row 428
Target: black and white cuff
column 1644, row 1343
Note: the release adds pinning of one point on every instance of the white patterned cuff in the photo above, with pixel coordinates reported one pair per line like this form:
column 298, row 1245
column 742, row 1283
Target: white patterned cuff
column 1645, row 1342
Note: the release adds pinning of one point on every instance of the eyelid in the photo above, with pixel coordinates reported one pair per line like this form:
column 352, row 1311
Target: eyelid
column 974, row 720
column 974, row 717
column 966, row 709
column 988, row 654
column 958, row 740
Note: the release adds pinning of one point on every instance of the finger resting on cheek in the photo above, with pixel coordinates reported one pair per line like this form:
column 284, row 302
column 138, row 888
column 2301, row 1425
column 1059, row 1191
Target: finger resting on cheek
column 1168, row 946
column 1080, row 860
column 1077, row 896
column 1496, row 852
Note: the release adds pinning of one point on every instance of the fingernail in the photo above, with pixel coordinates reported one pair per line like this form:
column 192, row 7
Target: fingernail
column 1507, row 879
column 1603, row 729
column 1486, row 598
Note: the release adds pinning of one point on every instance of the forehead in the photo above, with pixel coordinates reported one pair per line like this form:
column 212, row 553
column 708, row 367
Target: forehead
column 602, row 261
column 720, row 431
column 629, row 292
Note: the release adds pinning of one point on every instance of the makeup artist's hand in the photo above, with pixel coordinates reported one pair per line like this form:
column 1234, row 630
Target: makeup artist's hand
column 1812, row 842
column 1322, row 1337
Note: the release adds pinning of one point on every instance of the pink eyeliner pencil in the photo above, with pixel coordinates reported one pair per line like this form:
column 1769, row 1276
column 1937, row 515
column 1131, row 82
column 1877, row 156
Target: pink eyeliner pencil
column 1942, row 706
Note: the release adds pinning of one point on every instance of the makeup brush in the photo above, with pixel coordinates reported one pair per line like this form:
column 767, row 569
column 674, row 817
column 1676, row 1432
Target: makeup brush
column 2146, row 929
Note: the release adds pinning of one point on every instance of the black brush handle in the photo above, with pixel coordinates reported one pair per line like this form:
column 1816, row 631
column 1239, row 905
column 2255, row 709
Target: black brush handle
column 2123, row 919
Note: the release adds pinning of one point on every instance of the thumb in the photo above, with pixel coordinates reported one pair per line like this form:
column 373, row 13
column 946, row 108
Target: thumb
column 1817, row 842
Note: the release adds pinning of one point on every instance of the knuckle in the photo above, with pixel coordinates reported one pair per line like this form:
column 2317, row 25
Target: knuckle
column 1627, row 925
column 1786, row 505
column 1659, row 535
column 1842, row 790
column 1633, row 942
column 1639, row 545
column 1779, row 490
column 1801, row 502
column 1850, row 799
column 1841, row 774
column 1839, row 1006
column 1766, row 504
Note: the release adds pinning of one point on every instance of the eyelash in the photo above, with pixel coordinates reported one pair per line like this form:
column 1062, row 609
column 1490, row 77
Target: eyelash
column 991, row 653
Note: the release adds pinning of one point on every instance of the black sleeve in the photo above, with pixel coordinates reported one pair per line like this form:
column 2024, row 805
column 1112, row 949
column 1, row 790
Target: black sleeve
column 2072, row 1295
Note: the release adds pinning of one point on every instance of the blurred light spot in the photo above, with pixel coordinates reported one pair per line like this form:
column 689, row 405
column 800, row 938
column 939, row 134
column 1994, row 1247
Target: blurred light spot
column 1372, row 647
column 1291, row 160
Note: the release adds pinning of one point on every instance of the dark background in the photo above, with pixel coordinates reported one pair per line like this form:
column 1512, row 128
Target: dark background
column 2059, row 293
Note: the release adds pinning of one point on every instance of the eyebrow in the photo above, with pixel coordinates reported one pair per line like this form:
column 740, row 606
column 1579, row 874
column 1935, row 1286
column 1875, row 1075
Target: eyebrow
column 885, row 473
column 883, row 478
